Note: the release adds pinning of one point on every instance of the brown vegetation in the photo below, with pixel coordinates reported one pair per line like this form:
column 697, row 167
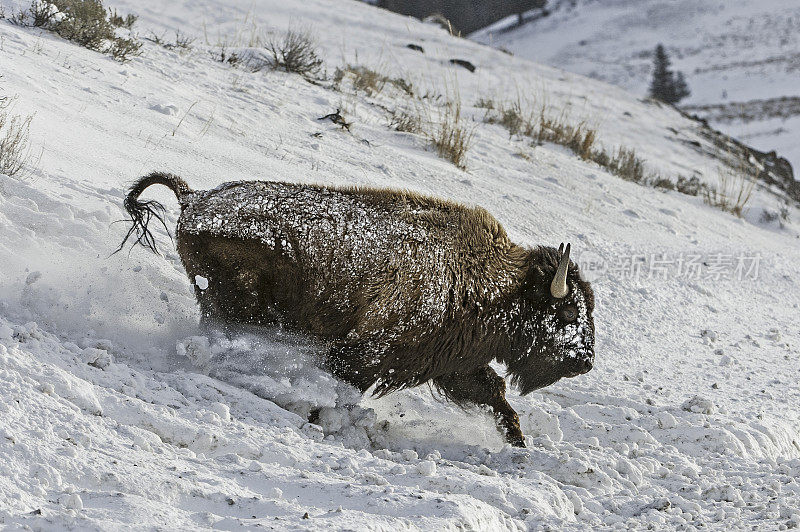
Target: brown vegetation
column 14, row 147
column 732, row 192
column 295, row 52
column 369, row 81
column 450, row 137
column 85, row 22
column 406, row 120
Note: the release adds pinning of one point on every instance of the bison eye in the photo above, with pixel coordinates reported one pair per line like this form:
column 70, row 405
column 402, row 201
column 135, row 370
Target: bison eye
column 569, row 313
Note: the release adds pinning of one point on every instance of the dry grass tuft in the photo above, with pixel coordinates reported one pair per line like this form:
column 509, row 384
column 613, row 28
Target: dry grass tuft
column 119, row 21
column 557, row 129
column 731, row 195
column 510, row 117
column 364, row 79
column 182, row 41
column 369, row 81
column 406, row 120
column 691, row 186
column 222, row 55
column 14, row 147
column 403, row 85
column 485, row 103
column 733, row 191
column 450, row 137
column 546, row 126
column 542, row 126
column 296, row 52
column 662, row 183
column 625, row 164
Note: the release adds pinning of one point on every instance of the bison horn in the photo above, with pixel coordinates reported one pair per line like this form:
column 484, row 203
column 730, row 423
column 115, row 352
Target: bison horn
column 558, row 288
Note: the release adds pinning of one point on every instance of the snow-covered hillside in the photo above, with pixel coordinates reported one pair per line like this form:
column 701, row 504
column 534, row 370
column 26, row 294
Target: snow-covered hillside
column 740, row 58
column 116, row 412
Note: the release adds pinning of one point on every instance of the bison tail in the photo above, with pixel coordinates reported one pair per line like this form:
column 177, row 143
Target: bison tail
column 142, row 212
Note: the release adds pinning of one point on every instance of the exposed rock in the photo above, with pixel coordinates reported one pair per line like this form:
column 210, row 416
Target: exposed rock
column 767, row 167
column 463, row 63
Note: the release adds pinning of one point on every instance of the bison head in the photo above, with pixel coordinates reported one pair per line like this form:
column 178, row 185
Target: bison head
column 553, row 336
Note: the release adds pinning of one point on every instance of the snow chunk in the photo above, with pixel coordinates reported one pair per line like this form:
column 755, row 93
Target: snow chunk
column 542, row 423
column 6, row 332
column 375, row 479
column 201, row 282
column 29, row 331
column 698, row 405
column 47, row 475
column 196, row 348
column 141, row 443
column 426, row 468
column 486, row 471
column 708, row 333
column 72, row 501
column 99, row 358
column 165, row 109
column 410, row 454
column 666, row 420
column 332, row 419
column 222, row 410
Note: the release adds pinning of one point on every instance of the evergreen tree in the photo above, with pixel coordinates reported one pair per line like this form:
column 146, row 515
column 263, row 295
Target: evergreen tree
column 681, row 88
column 666, row 85
column 661, row 85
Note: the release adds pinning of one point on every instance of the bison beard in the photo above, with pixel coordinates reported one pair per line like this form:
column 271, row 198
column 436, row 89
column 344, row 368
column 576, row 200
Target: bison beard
column 405, row 289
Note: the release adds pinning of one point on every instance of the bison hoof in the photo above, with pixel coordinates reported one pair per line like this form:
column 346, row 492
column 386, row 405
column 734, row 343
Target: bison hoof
column 515, row 438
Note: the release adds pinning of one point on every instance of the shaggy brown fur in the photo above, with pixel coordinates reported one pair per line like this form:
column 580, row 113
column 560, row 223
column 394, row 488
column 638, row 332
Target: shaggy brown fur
column 404, row 288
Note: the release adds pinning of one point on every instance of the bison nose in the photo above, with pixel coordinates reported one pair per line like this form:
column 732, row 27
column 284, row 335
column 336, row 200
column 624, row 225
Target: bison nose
column 582, row 365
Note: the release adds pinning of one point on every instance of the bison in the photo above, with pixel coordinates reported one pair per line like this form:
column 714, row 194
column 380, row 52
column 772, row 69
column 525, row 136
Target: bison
column 401, row 288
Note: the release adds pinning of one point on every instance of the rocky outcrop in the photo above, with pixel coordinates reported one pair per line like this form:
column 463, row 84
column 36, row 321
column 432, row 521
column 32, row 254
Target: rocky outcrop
column 767, row 167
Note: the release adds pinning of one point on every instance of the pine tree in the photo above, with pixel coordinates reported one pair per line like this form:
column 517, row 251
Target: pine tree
column 661, row 86
column 681, row 88
column 666, row 85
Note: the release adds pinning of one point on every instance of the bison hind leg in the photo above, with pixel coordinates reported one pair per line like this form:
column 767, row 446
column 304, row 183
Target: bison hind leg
column 484, row 387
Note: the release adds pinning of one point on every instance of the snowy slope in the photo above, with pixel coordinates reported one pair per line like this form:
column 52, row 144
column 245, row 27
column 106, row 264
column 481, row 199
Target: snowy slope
column 116, row 413
column 741, row 58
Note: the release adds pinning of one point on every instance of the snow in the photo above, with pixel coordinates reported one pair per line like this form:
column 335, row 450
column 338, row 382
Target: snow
column 740, row 57
column 117, row 411
column 201, row 282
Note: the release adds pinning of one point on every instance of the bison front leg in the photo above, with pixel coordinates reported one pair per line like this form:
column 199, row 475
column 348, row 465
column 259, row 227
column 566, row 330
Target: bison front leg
column 484, row 387
column 350, row 364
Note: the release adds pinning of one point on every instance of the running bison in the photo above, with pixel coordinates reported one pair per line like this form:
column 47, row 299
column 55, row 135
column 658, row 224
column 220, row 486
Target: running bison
column 403, row 288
